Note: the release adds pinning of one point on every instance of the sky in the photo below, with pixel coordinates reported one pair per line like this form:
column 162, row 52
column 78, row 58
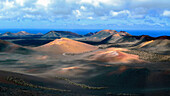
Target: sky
column 85, row 14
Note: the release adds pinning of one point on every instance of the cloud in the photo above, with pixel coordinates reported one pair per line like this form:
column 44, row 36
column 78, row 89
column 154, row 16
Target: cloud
column 43, row 3
column 85, row 10
column 98, row 3
column 166, row 13
column 77, row 13
column 53, row 9
column 20, row 2
column 90, row 17
column 120, row 13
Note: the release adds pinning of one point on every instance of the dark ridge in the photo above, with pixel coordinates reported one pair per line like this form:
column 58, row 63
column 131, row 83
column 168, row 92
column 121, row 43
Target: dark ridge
column 33, row 43
column 68, row 33
column 106, row 40
column 21, row 37
column 127, row 39
column 89, row 34
column 147, row 38
column 163, row 37
column 97, row 42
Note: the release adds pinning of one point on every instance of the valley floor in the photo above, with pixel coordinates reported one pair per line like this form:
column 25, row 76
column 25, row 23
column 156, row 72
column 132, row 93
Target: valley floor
column 43, row 74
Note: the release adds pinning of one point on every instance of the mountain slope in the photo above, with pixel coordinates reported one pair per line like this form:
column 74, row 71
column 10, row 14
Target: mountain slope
column 101, row 35
column 156, row 46
column 10, row 47
column 7, row 34
column 19, row 34
column 22, row 33
column 65, row 45
column 114, row 38
column 60, row 34
column 89, row 34
column 7, row 46
column 114, row 55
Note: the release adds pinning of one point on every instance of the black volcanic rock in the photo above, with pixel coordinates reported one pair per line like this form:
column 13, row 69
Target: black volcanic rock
column 59, row 34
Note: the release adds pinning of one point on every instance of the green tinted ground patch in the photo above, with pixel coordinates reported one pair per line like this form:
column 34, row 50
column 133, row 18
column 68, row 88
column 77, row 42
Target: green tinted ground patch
column 42, row 66
column 23, row 83
column 80, row 85
column 148, row 56
column 37, row 66
column 8, row 62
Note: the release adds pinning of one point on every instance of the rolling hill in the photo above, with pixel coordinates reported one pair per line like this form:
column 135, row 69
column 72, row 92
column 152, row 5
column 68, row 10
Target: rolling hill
column 7, row 46
column 101, row 35
column 65, row 45
column 114, row 55
column 161, row 46
column 13, row 48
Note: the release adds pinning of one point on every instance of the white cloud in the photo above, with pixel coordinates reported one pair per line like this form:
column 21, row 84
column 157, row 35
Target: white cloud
column 97, row 3
column 20, row 2
column 166, row 13
column 43, row 3
column 83, row 8
column 7, row 4
column 90, row 18
column 53, row 10
column 77, row 13
column 28, row 16
column 124, row 12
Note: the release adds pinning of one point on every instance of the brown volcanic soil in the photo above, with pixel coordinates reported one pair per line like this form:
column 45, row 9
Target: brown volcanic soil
column 114, row 55
column 65, row 45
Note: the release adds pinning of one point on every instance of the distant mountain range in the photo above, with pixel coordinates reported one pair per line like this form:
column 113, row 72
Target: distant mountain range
column 112, row 36
column 49, row 35
column 19, row 34
column 104, row 36
column 103, row 39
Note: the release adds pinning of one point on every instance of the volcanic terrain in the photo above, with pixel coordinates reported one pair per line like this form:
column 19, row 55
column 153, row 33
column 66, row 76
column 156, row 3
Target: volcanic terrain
column 106, row 63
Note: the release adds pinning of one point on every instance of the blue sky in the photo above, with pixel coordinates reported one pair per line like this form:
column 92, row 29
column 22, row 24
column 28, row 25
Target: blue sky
column 85, row 14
